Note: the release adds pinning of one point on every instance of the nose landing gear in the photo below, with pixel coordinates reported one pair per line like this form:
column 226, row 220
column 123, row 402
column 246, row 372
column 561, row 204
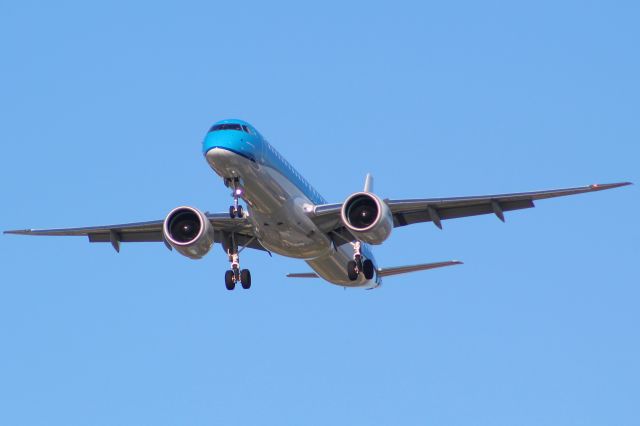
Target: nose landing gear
column 235, row 210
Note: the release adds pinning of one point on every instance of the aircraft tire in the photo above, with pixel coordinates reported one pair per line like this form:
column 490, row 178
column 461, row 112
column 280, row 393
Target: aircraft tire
column 229, row 283
column 232, row 212
column 352, row 271
column 368, row 269
column 245, row 279
column 239, row 212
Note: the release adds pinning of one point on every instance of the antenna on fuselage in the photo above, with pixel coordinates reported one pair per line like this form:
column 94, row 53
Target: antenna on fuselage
column 368, row 183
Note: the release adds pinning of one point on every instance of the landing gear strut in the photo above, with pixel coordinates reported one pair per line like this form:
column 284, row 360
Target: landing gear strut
column 235, row 274
column 235, row 210
column 357, row 265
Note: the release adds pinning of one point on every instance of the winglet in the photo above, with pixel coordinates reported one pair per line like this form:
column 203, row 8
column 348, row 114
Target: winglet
column 368, row 183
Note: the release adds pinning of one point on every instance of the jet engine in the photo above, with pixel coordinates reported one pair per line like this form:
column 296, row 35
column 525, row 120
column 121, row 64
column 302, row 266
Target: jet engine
column 367, row 217
column 188, row 230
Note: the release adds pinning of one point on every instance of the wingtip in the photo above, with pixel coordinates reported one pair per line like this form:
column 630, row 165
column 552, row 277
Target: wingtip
column 602, row 186
column 18, row 231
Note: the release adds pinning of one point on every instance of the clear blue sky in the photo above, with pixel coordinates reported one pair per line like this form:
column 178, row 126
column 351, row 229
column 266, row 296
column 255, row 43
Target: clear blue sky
column 104, row 107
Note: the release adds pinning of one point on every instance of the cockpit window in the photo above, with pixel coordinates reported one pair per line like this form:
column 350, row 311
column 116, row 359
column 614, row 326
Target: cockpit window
column 227, row 126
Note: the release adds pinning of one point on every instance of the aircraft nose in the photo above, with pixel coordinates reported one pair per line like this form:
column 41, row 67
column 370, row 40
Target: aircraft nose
column 223, row 139
column 230, row 142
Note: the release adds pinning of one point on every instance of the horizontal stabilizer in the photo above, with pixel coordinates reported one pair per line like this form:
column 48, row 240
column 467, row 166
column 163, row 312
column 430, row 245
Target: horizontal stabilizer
column 385, row 272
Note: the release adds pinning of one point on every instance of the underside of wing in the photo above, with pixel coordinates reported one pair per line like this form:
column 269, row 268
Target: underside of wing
column 406, row 212
column 409, row 211
column 129, row 232
column 151, row 231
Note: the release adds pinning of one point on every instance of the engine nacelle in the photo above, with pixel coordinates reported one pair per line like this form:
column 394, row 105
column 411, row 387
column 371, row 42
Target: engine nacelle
column 367, row 217
column 188, row 230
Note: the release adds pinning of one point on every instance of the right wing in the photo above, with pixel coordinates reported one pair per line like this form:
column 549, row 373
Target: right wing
column 409, row 211
column 152, row 231
column 434, row 210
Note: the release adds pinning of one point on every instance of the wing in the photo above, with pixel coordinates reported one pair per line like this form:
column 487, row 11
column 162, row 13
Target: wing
column 407, row 212
column 152, row 231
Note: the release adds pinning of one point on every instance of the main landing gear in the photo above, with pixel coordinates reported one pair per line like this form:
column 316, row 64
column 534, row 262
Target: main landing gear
column 232, row 276
column 357, row 265
column 235, row 274
column 235, row 210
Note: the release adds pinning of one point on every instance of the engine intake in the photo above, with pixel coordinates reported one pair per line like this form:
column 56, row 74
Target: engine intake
column 367, row 217
column 188, row 230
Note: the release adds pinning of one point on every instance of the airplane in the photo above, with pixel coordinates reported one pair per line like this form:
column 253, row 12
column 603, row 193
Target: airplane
column 284, row 214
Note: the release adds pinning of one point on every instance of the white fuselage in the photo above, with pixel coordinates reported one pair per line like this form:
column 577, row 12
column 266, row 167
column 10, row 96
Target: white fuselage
column 278, row 211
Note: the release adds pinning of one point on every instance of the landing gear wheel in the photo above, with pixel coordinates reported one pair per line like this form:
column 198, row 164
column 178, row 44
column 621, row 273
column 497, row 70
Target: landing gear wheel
column 367, row 269
column 228, row 280
column 235, row 211
column 245, row 279
column 236, row 192
column 352, row 270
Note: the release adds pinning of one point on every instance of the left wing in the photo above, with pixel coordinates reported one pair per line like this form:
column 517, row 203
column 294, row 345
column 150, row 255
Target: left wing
column 409, row 211
column 151, row 231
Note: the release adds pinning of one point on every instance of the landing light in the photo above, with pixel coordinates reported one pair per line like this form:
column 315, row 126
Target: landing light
column 238, row 191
